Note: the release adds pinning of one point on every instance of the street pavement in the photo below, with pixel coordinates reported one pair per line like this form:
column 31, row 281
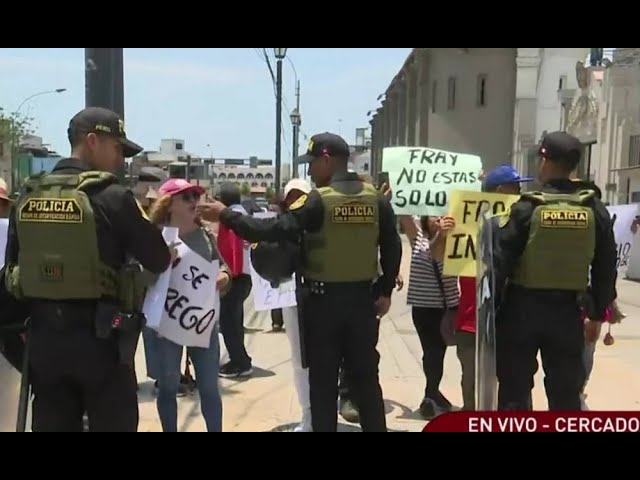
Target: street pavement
column 267, row 401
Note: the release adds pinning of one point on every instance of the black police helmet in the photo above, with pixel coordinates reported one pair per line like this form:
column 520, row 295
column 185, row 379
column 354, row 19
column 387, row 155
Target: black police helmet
column 274, row 261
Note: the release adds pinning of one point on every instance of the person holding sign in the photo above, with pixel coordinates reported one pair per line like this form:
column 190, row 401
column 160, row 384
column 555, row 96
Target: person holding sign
column 547, row 244
column 176, row 207
column 502, row 180
column 70, row 234
column 342, row 226
column 235, row 252
column 431, row 295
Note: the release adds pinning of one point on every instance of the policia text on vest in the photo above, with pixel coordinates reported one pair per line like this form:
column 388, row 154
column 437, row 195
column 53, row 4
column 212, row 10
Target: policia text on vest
column 69, row 235
column 343, row 226
column 51, row 210
column 554, row 247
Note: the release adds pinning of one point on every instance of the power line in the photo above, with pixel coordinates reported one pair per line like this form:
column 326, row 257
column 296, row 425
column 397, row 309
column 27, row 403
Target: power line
column 264, row 56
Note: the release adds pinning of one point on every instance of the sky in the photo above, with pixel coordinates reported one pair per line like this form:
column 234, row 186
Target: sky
column 220, row 101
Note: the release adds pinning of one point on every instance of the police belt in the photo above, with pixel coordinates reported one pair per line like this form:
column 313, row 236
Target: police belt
column 64, row 315
column 545, row 294
column 330, row 288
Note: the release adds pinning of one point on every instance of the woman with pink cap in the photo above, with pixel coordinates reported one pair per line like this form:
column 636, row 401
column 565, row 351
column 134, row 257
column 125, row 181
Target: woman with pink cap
column 176, row 207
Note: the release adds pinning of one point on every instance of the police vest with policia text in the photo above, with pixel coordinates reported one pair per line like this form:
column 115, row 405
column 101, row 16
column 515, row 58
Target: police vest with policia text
column 56, row 228
column 345, row 249
column 561, row 242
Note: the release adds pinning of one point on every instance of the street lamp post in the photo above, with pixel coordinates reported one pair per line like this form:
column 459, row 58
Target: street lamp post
column 104, row 82
column 280, row 54
column 296, row 121
column 14, row 134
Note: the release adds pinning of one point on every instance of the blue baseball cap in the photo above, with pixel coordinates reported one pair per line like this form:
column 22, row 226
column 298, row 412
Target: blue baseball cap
column 502, row 175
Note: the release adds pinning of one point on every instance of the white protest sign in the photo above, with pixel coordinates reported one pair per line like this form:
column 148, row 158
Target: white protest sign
column 265, row 297
column 623, row 217
column 156, row 295
column 192, row 307
column 4, row 232
column 422, row 179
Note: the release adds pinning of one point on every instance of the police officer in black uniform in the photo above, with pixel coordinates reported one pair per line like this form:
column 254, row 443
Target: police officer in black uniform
column 70, row 234
column 342, row 224
column 549, row 244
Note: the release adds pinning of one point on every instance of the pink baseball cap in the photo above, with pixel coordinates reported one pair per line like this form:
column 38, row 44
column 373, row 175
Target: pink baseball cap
column 175, row 186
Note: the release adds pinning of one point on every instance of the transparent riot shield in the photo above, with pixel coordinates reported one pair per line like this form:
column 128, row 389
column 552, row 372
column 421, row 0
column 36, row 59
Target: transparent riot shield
column 486, row 379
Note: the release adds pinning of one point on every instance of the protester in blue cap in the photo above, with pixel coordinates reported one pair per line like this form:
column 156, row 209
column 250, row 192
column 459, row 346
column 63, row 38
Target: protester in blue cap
column 504, row 179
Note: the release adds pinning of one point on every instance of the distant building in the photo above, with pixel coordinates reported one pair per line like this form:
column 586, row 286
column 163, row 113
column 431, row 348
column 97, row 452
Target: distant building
column 258, row 174
column 360, row 160
column 606, row 117
column 492, row 102
column 456, row 99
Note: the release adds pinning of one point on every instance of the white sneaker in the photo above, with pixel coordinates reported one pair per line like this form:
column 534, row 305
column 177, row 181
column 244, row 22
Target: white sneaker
column 305, row 426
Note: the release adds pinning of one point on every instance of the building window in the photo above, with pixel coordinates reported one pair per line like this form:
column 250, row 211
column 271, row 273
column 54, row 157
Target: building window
column 434, row 96
column 562, row 83
column 634, row 151
column 481, row 95
column 179, row 146
column 451, row 93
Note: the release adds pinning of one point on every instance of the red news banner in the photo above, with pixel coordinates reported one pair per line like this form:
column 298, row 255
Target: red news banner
column 570, row 422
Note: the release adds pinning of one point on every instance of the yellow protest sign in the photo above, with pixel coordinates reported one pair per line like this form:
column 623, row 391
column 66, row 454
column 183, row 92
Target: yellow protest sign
column 466, row 208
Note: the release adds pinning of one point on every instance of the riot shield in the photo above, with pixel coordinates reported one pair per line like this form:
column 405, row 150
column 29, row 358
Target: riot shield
column 486, row 379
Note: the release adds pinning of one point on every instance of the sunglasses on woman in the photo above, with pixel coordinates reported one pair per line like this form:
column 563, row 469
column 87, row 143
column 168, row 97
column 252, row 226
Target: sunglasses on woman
column 189, row 196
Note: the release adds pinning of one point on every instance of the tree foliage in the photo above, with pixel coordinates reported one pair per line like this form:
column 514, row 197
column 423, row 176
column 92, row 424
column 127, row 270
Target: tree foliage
column 14, row 126
column 270, row 193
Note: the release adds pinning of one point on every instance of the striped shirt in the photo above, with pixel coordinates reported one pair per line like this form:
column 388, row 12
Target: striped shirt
column 424, row 290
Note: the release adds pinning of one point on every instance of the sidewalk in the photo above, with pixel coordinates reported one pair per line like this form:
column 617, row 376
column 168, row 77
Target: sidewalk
column 267, row 401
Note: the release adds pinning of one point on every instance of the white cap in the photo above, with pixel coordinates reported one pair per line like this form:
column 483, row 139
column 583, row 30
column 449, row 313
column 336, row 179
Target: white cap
column 297, row 184
column 152, row 194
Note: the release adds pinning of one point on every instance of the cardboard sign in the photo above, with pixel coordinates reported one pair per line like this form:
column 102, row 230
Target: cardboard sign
column 157, row 293
column 623, row 217
column 422, row 179
column 192, row 305
column 266, row 298
column 466, row 209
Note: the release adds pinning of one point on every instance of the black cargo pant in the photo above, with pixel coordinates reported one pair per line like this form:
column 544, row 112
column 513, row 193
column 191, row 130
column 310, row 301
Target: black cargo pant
column 341, row 324
column 73, row 372
column 276, row 318
column 548, row 321
column 344, row 385
column 232, row 321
